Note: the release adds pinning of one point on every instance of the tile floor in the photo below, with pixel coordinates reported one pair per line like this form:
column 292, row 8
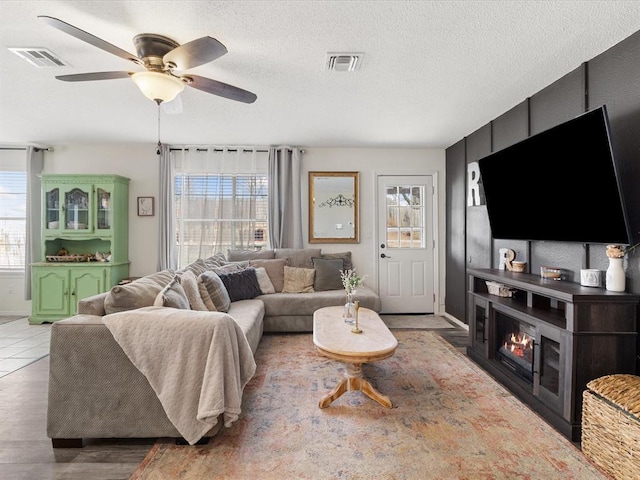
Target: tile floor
column 22, row 344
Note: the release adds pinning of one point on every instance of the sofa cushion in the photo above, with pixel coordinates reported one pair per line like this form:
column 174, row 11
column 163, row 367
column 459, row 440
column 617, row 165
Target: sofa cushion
column 299, row 257
column 298, row 280
column 275, row 270
column 137, row 294
column 242, row 255
column 345, row 256
column 327, row 274
column 216, row 290
column 173, row 295
column 266, row 286
column 189, row 283
column 241, row 285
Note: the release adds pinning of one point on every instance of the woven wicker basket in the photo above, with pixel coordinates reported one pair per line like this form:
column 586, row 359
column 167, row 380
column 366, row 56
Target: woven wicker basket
column 611, row 425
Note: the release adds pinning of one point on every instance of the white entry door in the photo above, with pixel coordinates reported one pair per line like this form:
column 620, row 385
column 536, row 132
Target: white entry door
column 406, row 243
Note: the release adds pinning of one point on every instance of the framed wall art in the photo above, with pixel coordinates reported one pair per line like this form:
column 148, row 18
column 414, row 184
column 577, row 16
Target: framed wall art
column 145, row 206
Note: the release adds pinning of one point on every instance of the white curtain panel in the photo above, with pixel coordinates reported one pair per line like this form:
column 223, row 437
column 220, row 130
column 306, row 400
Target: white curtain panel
column 33, row 252
column 167, row 245
column 218, row 198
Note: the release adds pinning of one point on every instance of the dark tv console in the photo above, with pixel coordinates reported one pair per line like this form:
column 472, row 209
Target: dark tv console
column 546, row 341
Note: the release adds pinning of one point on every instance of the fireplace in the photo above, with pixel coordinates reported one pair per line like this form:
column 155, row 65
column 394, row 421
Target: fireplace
column 516, row 346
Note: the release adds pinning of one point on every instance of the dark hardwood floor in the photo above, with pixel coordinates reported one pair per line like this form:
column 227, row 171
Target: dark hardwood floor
column 25, row 449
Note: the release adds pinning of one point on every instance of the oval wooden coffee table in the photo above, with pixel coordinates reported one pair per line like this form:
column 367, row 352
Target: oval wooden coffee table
column 334, row 339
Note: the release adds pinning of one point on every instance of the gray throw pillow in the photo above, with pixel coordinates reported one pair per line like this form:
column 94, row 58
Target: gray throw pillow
column 197, row 267
column 173, row 295
column 327, row 274
column 137, row 294
column 216, row 290
column 241, row 285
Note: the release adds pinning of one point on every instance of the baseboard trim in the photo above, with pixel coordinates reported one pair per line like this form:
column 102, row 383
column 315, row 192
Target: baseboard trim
column 455, row 321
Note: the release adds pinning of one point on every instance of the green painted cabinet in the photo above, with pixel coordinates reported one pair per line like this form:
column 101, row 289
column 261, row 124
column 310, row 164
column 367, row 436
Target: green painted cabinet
column 84, row 242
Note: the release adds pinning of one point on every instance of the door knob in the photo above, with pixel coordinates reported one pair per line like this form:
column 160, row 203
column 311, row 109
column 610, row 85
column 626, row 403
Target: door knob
column 382, row 255
column 382, row 245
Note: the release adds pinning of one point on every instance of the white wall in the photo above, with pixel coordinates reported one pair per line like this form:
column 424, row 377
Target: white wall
column 140, row 164
column 371, row 163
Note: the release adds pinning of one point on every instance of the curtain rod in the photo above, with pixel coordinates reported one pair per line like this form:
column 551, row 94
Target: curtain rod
column 37, row 149
column 199, row 149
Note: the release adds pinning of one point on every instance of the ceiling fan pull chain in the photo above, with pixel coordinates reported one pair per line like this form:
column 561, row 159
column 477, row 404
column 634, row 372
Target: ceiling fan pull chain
column 159, row 148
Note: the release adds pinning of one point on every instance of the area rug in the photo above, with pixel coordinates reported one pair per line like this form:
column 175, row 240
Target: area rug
column 449, row 420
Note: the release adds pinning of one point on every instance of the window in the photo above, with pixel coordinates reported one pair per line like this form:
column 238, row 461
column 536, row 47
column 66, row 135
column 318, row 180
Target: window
column 13, row 208
column 220, row 210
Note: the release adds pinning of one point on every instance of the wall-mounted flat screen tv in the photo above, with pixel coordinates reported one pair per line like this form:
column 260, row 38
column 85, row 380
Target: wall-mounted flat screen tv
column 557, row 185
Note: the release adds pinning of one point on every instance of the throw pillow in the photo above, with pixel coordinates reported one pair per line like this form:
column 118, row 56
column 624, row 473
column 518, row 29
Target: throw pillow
column 172, row 295
column 264, row 281
column 241, row 285
column 345, row 256
column 227, row 267
column 299, row 257
column 204, row 294
column 214, row 260
column 196, row 267
column 137, row 294
column 327, row 274
column 216, row 290
column 242, row 255
column 189, row 282
column 275, row 270
column 298, row 280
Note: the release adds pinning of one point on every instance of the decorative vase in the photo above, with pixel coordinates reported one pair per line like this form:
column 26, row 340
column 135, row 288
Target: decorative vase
column 349, row 309
column 615, row 279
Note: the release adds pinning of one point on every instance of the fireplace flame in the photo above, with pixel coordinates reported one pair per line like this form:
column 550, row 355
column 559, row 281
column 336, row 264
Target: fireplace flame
column 519, row 344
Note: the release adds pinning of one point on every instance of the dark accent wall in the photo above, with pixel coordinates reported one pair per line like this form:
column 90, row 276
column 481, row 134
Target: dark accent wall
column 456, row 165
column 612, row 78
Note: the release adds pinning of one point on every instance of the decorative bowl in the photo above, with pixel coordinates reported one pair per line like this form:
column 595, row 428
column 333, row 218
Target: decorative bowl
column 551, row 273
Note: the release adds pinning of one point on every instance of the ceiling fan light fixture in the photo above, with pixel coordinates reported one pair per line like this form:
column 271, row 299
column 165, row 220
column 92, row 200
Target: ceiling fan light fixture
column 156, row 86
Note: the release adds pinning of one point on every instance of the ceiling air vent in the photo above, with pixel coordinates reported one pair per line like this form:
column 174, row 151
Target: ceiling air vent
column 39, row 57
column 344, row 62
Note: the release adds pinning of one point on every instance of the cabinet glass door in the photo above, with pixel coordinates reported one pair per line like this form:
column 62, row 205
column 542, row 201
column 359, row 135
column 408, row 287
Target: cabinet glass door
column 76, row 209
column 550, row 366
column 103, row 212
column 52, row 209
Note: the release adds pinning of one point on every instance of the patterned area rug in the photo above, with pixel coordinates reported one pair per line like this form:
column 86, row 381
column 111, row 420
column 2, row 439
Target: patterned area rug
column 449, row 420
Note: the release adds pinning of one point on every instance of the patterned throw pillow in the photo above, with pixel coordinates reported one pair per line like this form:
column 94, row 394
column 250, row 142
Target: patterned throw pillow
column 214, row 260
column 327, row 274
column 189, row 282
column 216, row 291
column 196, row 267
column 298, row 280
column 172, row 295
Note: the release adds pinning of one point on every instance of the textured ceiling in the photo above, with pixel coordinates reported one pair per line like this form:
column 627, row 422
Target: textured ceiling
column 433, row 71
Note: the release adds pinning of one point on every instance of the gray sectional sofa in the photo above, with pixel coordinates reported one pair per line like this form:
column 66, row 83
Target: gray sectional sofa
column 95, row 391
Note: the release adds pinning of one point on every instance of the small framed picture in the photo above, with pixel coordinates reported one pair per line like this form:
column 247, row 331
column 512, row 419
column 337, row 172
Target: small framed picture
column 145, row 206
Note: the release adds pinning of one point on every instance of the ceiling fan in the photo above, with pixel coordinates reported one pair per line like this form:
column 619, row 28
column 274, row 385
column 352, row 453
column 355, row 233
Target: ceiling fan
column 160, row 56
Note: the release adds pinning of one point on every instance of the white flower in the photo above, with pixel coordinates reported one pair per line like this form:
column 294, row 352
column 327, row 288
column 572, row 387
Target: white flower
column 350, row 280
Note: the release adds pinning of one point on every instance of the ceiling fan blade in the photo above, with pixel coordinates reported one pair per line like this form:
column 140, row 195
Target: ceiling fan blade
column 85, row 77
column 195, row 53
column 89, row 38
column 221, row 89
